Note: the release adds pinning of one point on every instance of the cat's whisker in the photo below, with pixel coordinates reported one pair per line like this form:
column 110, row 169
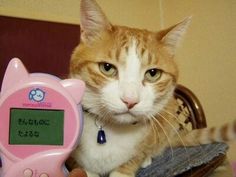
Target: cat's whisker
column 174, row 128
column 167, row 137
column 112, row 106
column 155, row 131
column 196, row 142
column 103, row 113
column 177, row 133
column 172, row 115
column 176, row 118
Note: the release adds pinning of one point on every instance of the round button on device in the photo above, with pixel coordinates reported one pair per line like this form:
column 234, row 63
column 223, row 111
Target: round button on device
column 28, row 173
column 44, row 175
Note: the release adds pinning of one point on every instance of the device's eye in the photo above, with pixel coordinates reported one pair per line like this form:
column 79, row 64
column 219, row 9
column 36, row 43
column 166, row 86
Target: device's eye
column 108, row 69
column 152, row 75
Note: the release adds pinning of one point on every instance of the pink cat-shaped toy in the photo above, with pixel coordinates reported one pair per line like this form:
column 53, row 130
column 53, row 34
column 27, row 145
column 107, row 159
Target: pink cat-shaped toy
column 40, row 122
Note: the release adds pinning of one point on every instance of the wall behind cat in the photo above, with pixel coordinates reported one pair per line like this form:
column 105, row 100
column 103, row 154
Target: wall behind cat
column 207, row 56
column 137, row 13
column 53, row 10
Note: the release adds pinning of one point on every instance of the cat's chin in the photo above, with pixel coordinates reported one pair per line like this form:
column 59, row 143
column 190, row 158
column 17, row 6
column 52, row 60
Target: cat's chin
column 126, row 118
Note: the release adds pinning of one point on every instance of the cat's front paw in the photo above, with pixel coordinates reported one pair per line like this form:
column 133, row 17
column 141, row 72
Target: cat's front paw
column 118, row 174
column 146, row 162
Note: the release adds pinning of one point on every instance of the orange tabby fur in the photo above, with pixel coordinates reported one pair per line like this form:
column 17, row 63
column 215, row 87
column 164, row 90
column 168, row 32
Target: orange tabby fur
column 102, row 42
column 114, row 47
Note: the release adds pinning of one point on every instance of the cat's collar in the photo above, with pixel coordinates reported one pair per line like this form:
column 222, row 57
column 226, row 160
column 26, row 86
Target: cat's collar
column 87, row 111
column 101, row 135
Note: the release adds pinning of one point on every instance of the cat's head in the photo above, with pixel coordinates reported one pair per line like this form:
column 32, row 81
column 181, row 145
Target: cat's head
column 130, row 73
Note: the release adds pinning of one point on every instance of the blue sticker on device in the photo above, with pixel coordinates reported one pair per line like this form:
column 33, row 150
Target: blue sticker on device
column 36, row 95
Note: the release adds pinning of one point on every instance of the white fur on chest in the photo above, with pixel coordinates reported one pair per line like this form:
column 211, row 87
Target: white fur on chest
column 119, row 148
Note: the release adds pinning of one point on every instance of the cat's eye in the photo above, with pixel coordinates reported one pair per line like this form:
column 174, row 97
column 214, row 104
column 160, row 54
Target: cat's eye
column 152, row 75
column 108, row 69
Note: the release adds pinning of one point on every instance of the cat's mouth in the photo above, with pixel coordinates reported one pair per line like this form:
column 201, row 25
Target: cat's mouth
column 128, row 112
column 126, row 117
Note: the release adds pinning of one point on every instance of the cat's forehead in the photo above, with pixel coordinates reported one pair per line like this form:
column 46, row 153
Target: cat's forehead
column 125, row 36
column 123, row 44
column 128, row 42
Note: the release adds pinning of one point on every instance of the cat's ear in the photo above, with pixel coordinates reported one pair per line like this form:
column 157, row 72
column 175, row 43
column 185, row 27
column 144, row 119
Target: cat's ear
column 92, row 20
column 172, row 36
column 15, row 73
column 75, row 87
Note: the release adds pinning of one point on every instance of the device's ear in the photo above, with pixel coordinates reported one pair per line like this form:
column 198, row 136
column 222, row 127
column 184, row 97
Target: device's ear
column 75, row 87
column 15, row 73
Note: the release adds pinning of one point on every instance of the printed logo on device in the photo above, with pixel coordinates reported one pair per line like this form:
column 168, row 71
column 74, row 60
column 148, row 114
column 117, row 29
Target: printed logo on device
column 36, row 95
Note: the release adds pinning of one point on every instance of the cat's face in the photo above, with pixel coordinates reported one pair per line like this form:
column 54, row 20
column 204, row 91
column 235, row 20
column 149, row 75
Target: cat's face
column 130, row 74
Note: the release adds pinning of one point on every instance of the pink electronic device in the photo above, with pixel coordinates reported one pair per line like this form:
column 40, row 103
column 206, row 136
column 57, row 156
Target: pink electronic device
column 40, row 122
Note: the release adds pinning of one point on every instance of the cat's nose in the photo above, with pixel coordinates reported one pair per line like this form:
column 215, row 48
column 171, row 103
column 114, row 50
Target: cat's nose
column 130, row 103
column 130, row 93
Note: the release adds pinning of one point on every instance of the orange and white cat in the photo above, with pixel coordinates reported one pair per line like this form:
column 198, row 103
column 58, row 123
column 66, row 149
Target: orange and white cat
column 130, row 76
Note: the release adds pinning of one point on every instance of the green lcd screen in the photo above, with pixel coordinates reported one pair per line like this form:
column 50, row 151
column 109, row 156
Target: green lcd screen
column 36, row 127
